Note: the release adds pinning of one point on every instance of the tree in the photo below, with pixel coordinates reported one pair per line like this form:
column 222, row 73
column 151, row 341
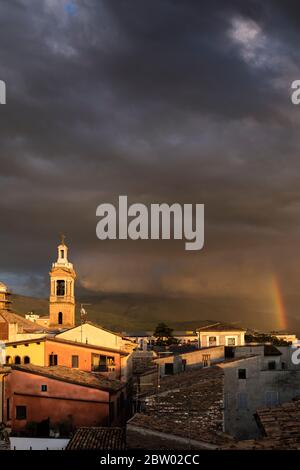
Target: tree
column 265, row 338
column 164, row 335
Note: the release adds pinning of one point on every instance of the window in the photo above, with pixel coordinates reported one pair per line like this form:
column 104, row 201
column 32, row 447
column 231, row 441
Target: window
column 43, row 388
column 7, row 409
column 271, row 399
column 101, row 363
column 231, row 342
column 75, row 362
column 60, row 288
column 60, row 318
column 206, row 360
column 242, row 399
column 110, row 361
column 169, row 369
column 21, row 412
column 17, row 360
column 62, row 253
column 26, row 360
column 212, row 341
column 52, row 359
column 242, row 373
column 271, row 365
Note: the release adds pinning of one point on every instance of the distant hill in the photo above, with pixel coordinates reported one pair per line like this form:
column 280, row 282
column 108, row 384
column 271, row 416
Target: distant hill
column 130, row 312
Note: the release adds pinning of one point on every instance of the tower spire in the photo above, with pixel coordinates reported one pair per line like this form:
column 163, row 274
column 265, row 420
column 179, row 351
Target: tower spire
column 62, row 238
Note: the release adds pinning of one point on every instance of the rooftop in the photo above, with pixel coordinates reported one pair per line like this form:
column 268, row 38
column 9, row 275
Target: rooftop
column 219, row 326
column 98, row 439
column 231, row 360
column 282, row 333
column 74, row 376
column 189, row 403
column 271, row 350
column 282, row 424
column 95, row 325
column 280, row 427
column 27, row 325
column 184, row 333
column 137, row 334
column 186, row 351
column 56, row 339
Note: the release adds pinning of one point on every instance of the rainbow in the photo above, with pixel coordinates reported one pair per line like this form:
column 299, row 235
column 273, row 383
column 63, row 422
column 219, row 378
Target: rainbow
column 278, row 304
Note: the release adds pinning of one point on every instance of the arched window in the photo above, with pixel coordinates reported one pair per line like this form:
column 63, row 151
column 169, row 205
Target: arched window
column 17, row 360
column 26, row 360
column 60, row 318
column 8, row 360
column 60, row 287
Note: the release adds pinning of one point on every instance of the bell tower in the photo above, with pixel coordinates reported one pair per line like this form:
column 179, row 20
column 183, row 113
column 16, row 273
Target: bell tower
column 62, row 299
column 4, row 297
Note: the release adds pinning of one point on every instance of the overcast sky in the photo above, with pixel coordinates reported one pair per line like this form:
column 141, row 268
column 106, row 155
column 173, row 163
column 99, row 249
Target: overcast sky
column 165, row 101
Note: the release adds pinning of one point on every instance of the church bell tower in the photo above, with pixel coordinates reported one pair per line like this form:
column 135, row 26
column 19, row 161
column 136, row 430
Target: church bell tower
column 4, row 297
column 62, row 299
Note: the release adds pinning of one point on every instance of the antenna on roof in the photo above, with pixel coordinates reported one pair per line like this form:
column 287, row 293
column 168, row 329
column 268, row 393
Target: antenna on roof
column 83, row 316
column 83, row 313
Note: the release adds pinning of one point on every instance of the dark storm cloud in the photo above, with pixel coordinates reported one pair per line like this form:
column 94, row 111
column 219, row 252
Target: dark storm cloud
column 165, row 100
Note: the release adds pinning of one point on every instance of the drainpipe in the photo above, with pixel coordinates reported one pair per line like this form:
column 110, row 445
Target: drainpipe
column 2, row 398
column 3, row 395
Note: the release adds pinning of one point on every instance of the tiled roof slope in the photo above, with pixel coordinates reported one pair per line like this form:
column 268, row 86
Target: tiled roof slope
column 189, row 404
column 98, row 439
column 279, row 425
column 74, row 376
column 26, row 325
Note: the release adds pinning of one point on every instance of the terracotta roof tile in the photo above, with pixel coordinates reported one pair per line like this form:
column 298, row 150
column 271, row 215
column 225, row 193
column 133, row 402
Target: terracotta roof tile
column 27, row 325
column 98, row 439
column 280, row 425
column 76, row 376
column 190, row 403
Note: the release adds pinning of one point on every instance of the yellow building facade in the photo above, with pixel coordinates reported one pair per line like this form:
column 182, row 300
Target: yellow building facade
column 26, row 352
